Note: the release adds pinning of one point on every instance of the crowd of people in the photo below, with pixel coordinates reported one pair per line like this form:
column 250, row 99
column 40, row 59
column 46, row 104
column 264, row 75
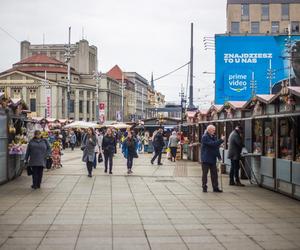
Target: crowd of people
column 97, row 145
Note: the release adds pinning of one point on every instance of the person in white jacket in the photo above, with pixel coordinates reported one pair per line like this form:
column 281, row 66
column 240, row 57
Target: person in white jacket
column 98, row 147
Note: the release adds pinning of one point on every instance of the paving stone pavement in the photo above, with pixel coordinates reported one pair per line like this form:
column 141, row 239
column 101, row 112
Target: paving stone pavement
column 155, row 208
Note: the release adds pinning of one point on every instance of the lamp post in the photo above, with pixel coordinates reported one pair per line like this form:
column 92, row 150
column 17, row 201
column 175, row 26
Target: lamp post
column 97, row 76
column 183, row 104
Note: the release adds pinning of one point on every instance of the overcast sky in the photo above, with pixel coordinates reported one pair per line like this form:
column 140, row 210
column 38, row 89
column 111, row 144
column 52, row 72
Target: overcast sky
column 138, row 35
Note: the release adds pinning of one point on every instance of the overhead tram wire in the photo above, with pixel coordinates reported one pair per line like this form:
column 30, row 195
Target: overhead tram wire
column 10, row 35
column 173, row 71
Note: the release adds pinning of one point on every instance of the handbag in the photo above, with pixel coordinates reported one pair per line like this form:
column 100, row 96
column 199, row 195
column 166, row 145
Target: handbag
column 28, row 169
column 49, row 163
column 100, row 158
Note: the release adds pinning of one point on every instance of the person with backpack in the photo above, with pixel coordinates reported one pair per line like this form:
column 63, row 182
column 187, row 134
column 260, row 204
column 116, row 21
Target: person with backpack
column 38, row 151
column 129, row 150
column 158, row 145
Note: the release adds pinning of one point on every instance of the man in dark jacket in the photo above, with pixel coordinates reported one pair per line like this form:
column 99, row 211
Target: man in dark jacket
column 209, row 153
column 158, row 145
column 235, row 145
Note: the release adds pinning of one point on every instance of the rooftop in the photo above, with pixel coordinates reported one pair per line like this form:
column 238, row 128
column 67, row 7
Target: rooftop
column 261, row 1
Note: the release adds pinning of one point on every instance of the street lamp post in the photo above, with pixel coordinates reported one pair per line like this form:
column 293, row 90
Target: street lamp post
column 97, row 77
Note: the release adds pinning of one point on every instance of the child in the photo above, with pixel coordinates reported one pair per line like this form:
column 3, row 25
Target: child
column 56, row 154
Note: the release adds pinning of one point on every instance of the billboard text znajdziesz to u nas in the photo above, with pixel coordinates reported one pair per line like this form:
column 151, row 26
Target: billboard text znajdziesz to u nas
column 242, row 62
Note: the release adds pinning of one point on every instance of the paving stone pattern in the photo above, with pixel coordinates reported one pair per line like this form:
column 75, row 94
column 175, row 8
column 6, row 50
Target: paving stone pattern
column 155, row 208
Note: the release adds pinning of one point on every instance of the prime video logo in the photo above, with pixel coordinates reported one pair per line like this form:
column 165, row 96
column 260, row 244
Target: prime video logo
column 237, row 82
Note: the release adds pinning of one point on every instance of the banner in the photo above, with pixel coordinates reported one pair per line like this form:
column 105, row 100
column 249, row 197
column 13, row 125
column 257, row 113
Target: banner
column 101, row 112
column 243, row 62
column 48, row 110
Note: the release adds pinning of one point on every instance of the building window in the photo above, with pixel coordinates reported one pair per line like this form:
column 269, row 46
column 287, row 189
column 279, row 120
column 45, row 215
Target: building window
column 275, row 27
column 80, row 106
column 285, row 11
column 295, row 27
column 255, row 27
column 72, row 106
column 245, row 12
column 265, row 12
column 32, row 104
column 88, row 107
column 235, row 27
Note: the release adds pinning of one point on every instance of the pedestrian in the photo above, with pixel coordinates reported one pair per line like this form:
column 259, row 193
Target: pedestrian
column 56, row 154
column 209, row 153
column 129, row 150
column 158, row 145
column 73, row 140
column 88, row 144
column 173, row 142
column 235, row 146
column 109, row 149
column 98, row 148
column 146, row 141
column 38, row 151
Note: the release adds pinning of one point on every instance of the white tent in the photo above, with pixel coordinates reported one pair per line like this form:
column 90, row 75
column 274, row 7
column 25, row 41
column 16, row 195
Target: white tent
column 83, row 124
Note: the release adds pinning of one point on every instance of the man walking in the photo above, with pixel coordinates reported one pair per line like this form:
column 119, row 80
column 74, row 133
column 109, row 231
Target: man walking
column 158, row 145
column 235, row 146
column 209, row 153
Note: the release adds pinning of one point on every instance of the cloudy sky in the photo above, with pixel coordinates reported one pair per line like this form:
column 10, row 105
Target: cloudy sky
column 138, row 35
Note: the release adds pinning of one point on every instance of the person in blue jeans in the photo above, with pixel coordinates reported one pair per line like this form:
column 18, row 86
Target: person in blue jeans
column 129, row 150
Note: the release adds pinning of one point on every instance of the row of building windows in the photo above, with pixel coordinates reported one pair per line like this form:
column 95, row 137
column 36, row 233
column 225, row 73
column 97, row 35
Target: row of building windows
column 275, row 27
column 265, row 12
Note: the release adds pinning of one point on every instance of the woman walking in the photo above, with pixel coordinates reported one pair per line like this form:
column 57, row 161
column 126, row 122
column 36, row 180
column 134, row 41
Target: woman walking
column 88, row 144
column 173, row 142
column 109, row 149
column 129, row 149
column 38, row 151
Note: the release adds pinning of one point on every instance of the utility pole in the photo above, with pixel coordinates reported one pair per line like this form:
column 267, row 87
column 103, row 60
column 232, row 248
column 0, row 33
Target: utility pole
column 97, row 77
column 142, row 103
column 122, row 91
column 270, row 76
column 68, row 61
column 191, row 105
column 253, row 85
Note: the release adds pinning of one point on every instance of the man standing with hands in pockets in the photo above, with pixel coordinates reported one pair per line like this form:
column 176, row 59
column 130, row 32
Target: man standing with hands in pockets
column 209, row 153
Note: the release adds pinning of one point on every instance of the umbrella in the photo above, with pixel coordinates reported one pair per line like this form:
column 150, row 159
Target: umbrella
column 83, row 124
column 119, row 125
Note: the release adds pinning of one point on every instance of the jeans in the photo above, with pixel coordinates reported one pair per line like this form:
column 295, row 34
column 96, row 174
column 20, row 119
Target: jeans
column 72, row 146
column 108, row 159
column 146, row 148
column 37, row 175
column 95, row 161
column 89, row 166
column 234, row 171
column 213, row 175
column 129, row 161
column 173, row 152
column 157, row 153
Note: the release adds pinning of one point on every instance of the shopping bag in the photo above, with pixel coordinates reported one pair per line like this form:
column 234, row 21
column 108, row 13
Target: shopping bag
column 49, row 163
column 29, row 170
column 100, row 158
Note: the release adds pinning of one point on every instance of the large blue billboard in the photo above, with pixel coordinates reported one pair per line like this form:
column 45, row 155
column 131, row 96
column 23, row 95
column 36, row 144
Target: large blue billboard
column 242, row 64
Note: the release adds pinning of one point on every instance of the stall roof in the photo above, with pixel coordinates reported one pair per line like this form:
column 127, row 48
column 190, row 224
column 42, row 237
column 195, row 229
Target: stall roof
column 295, row 90
column 266, row 98
column 237, row 104
column 191, row 114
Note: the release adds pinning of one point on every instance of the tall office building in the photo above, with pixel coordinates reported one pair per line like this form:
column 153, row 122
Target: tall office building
column 263, row 16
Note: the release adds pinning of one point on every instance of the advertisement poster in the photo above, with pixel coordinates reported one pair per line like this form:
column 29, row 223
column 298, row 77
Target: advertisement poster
column 101, row 112
column 242, row 64
column 48, row 101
